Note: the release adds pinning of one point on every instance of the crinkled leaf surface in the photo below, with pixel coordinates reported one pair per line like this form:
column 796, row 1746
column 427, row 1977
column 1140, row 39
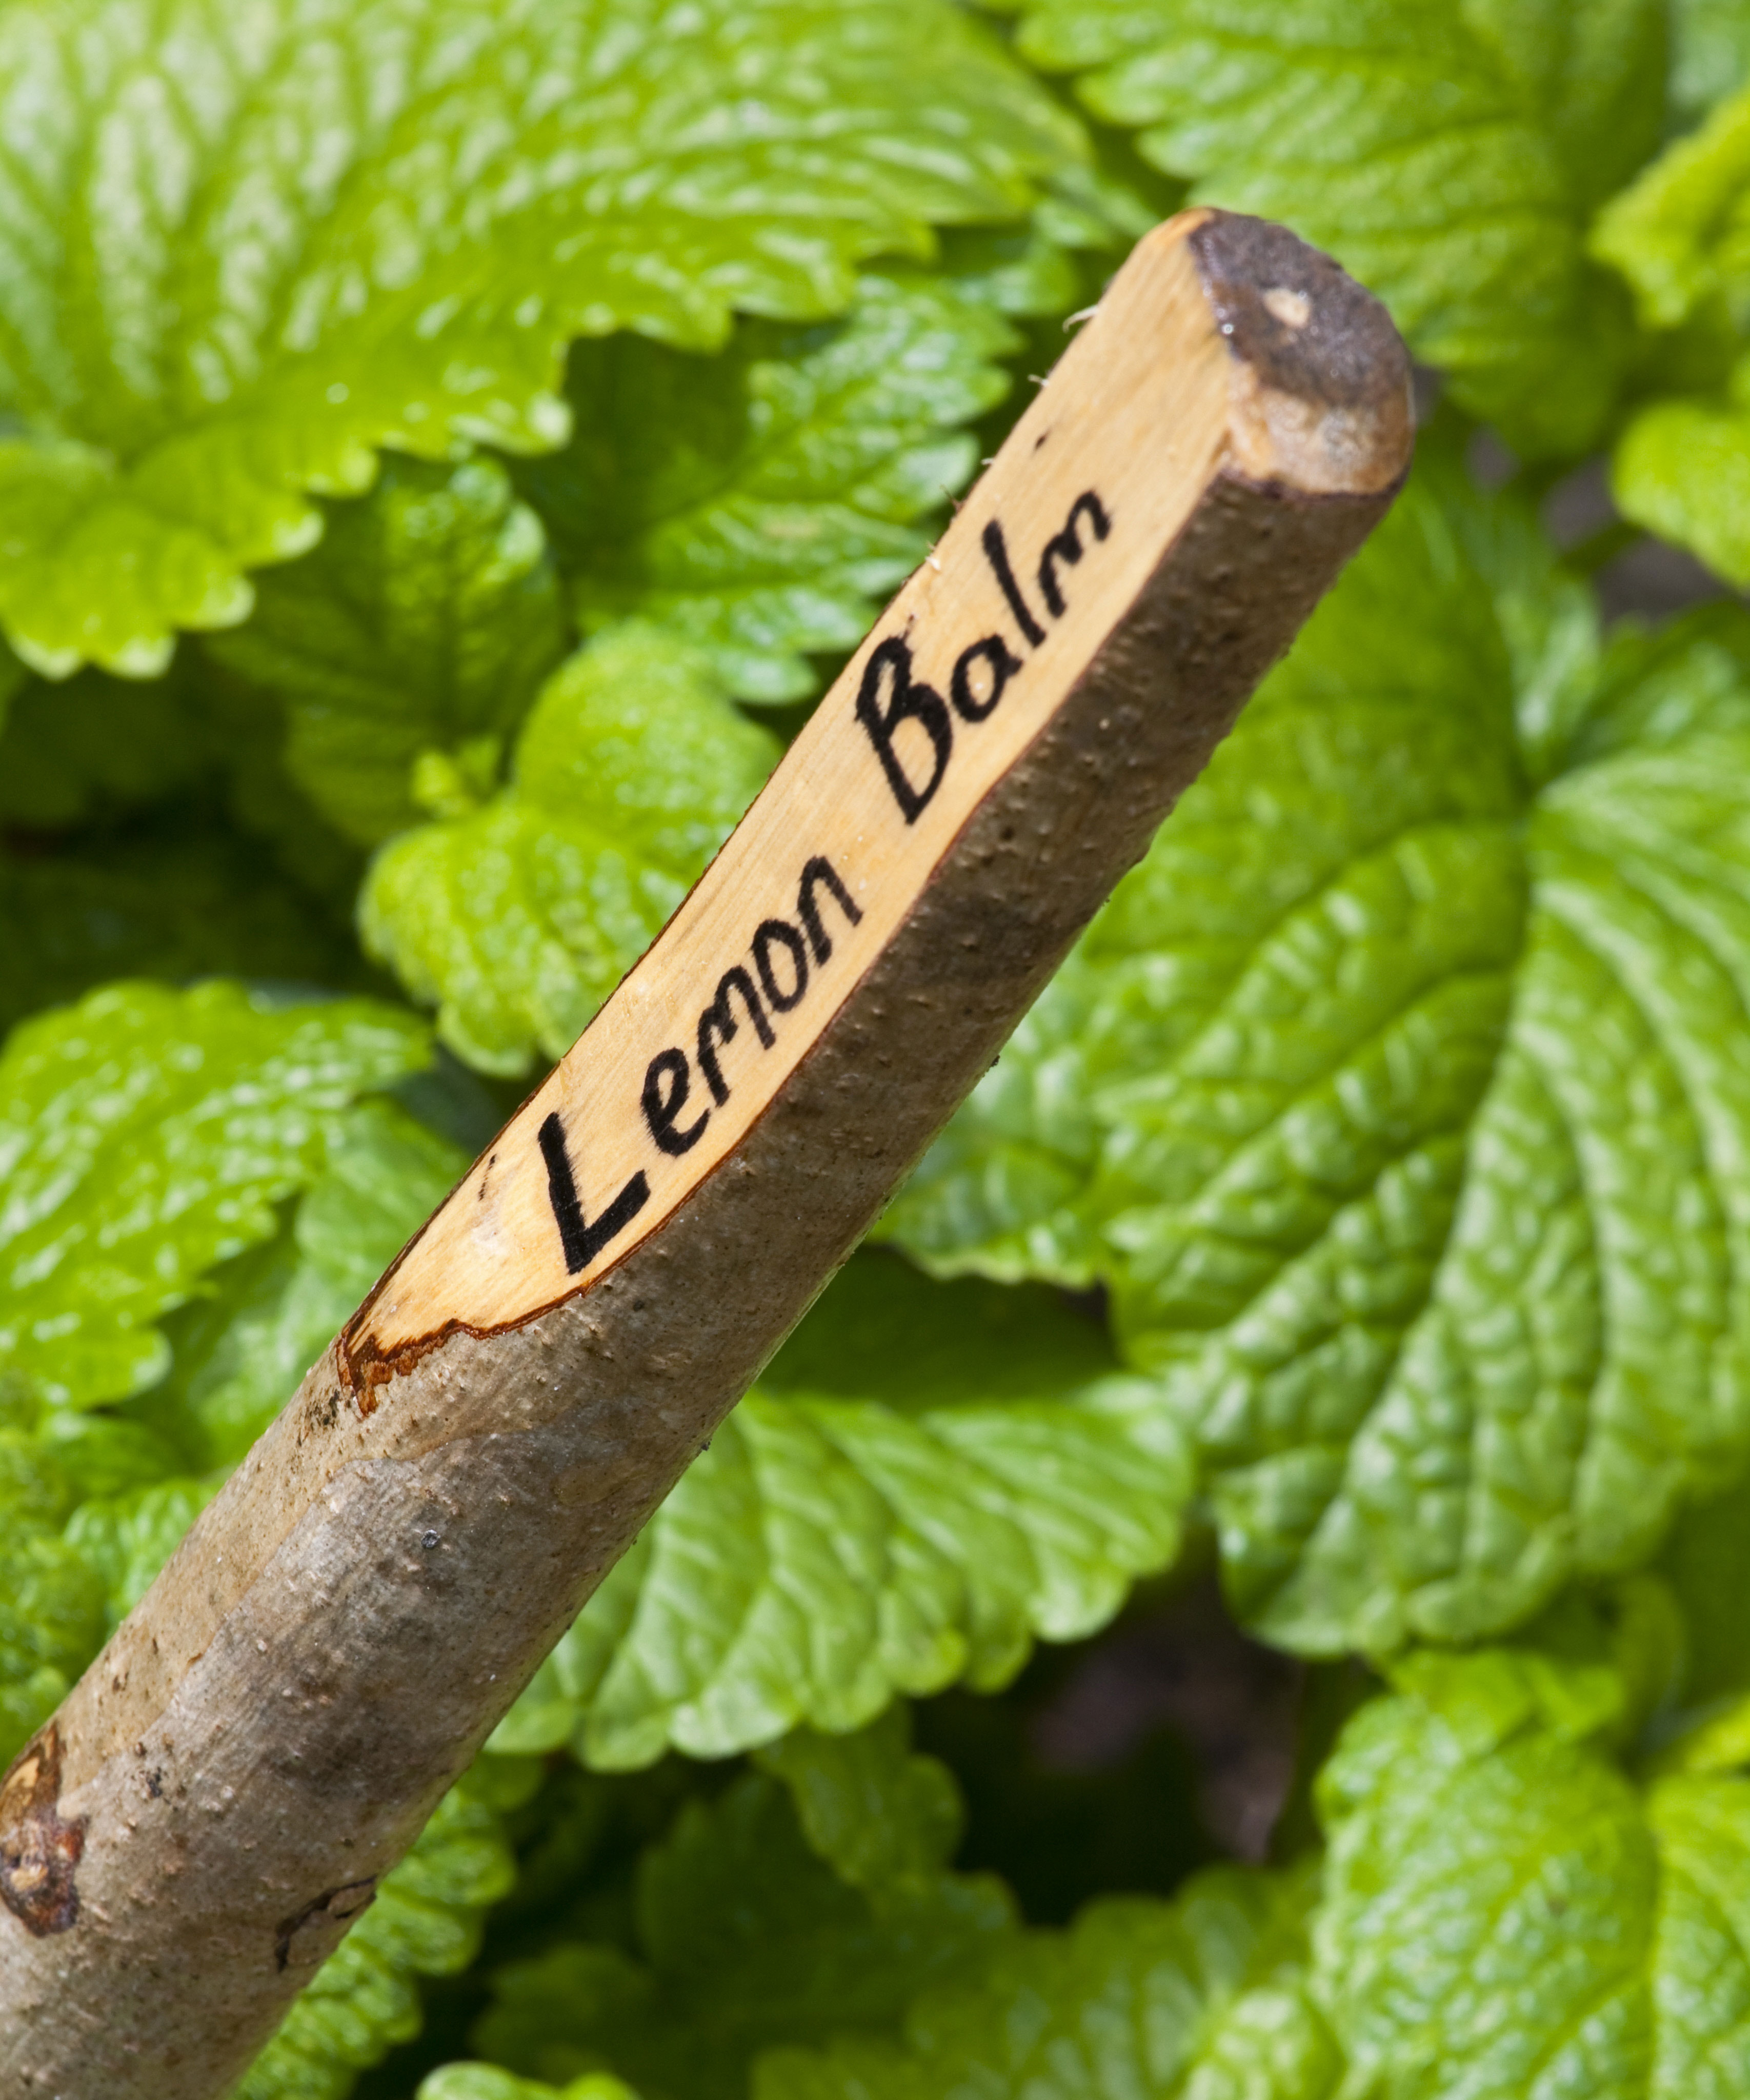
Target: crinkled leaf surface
column 518, row 918
column 757, row 503
column 244, row 249
column 1204, row 1997
column 93, row 1502
column 1448, row 157
column 1505, row 1913
column 1399, row 1100
column 826, row 1552
column 240, row 1349
column 146, row 1134
column 427, row 618
column 885, row 1821
column 425, row 1921
column 745, row 1936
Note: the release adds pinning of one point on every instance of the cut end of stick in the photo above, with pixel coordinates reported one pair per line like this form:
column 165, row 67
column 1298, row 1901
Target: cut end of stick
column 1321, row 398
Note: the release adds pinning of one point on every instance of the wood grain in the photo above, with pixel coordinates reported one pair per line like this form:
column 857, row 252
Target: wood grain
column 264, row 1735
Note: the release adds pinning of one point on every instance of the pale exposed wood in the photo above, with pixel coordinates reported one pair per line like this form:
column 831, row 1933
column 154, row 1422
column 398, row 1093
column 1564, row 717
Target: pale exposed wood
column 264, row 1735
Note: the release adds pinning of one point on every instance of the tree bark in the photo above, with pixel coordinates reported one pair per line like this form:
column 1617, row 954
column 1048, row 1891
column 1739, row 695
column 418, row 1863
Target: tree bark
column 264, row 1737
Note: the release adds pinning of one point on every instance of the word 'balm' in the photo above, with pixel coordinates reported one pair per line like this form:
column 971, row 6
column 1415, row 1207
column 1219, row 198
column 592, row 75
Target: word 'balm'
column 365, row 1598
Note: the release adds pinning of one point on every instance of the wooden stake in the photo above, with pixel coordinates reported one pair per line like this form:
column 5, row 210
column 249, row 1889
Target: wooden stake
column 264, row 1737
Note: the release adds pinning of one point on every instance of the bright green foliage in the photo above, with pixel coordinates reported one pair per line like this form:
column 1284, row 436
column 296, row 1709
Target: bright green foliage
column 1203, row 1998
column 759, row 503
column 146, row 1134
column 848, row 1535
column 239, row 1350
column 52, row 1601
column 885, row 1822
column 1389, row 1071
column 1504, row 1913
column 1449, row 157
column 128, row 1539
column 245, row 252
column 1683, row 470
column 93, row 1502
column 1680, row 235
column 825, row 1554
column 485, row 2081
column 424, row 619
column 424, row 1921
column 1710, row 51
column 518, row 918
column 746, row 1935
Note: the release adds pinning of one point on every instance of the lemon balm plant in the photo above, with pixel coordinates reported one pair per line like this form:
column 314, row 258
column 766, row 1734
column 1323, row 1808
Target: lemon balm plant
column 444, row 446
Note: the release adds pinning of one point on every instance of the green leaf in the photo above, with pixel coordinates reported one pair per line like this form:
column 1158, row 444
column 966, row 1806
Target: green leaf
column 428, row 615
column 128, row 1539
column 825, row 1552
column 745, row 1936
column 146, row 1134
column 1682, row 470
column 1393, row 1098
column 51, row 1620
column 1504, row 1913
column 518, row 919
column 1681, row 234
column 1711, row 53
column 486, row 2081
column 343, row 227
column 425, row 1921
column 885, row 1822
column 1448, row 158
column 133, row 1482
column 759, row 504
column 882, row 1331
column 1202, row 1997
column 240, row 1349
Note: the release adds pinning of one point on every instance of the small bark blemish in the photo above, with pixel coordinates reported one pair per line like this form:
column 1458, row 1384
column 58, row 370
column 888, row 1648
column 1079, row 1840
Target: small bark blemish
column 39, row 1849
column 332, row 1907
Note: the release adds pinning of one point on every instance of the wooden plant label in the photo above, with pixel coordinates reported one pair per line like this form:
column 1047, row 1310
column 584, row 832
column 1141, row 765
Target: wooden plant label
column 1041, row 564
column 190, row 1836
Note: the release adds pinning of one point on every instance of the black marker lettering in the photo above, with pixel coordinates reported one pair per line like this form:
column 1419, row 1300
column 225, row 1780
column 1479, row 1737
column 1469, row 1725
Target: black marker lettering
column 785, row 935
column 718, row 1019
column 816, row 871
column 581, row 1241
column 663, row 1103
column 997, row 554
column 1066, row 546
column 889, row 670
column 1000, row 666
